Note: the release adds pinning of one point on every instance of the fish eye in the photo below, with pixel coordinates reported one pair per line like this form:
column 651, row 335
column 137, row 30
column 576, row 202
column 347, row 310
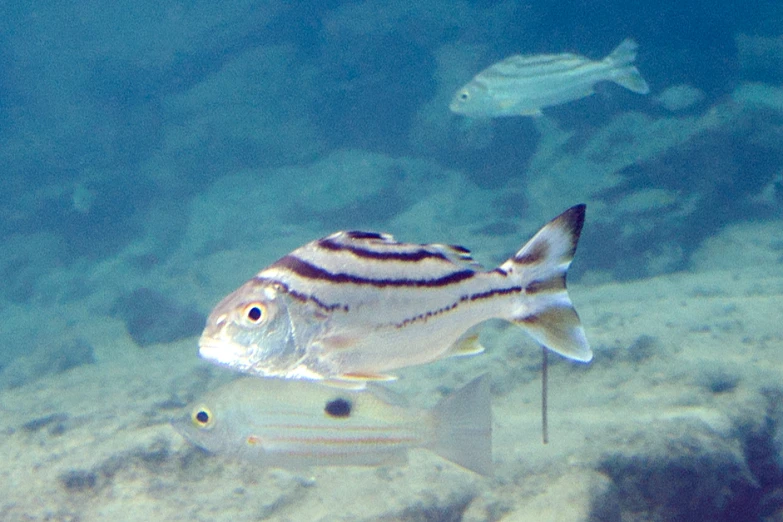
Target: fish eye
column 339, row 408
column 464, row 96
column 255, row 312
column 202, row 417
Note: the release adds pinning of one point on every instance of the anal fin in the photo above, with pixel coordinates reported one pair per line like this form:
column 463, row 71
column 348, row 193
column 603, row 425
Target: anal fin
column 559, row 329
column 356, row 380
column 465, row 346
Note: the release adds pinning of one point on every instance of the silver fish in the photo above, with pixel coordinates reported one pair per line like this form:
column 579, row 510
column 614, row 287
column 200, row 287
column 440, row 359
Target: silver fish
column 523, row 85
column 292, row 424
column 350, row 306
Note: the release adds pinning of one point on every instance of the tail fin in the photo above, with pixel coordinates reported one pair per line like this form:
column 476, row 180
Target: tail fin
column 544, row 308
column 463, row 427
column 623, row 73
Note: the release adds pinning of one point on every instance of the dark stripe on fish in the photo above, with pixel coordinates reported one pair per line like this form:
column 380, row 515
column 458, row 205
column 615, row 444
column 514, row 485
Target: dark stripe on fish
column 557, row 284
column 491, row 293
column 303, row 298
column 309, row 271
column 417, row 255
column 359, row 234
column 465, row 298
column 572, row 221
column 564, row 316
column 539, row 252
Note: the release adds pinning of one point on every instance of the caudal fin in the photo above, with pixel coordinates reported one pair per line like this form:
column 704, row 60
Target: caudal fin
column 463, row 427
column 623, row 72
column 544, row 308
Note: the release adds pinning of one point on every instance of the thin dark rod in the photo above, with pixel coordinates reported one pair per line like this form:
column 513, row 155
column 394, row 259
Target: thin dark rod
column 544, row 377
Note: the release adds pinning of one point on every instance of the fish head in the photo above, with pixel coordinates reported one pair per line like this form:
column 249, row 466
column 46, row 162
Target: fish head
column 472, row 100
column 251, row 330
column 219, row 423
column 202, row 428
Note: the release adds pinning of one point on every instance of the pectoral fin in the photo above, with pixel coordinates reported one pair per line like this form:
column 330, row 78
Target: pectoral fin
column 338, row 343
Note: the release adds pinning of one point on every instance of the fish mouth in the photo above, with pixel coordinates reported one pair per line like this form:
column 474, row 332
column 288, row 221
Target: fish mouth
column 221, row 352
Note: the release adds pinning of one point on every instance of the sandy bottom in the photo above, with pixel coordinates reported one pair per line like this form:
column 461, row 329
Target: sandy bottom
column 676, row 418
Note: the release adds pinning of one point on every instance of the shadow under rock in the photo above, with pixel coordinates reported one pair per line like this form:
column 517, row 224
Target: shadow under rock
column 152, row 318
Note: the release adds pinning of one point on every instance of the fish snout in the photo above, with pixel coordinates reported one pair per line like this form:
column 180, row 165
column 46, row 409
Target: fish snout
column 222, row 352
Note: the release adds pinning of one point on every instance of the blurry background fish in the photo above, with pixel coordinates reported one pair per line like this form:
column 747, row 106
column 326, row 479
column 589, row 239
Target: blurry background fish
column 523, row 85
column 292, row 424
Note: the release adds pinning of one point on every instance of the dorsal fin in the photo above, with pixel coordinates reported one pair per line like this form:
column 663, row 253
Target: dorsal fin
column 362, row 235
column 457, row 254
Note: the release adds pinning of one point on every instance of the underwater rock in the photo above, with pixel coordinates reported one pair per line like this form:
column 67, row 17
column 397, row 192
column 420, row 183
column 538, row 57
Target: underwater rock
column 580, row 496
column 717, row 378
column 46, row 360
column 641, row 350
column 759, row 96
column 349, row 189
column 152, row 318
column 233, row 119
column 681, row 470
column 680, row 97
column 760, row 54
column 435, row 132
column 55, row 424
column 79, row 480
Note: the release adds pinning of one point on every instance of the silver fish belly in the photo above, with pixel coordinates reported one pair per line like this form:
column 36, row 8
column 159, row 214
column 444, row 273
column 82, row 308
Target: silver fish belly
column 291, row 424
column 351, row 306
column 523, row 85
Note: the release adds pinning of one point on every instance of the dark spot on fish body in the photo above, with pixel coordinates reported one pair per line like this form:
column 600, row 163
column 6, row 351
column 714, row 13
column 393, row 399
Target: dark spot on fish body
column 338, row 408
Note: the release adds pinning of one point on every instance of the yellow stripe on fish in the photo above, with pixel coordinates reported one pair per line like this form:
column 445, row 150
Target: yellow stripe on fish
column 292, row 424
column 354, row 305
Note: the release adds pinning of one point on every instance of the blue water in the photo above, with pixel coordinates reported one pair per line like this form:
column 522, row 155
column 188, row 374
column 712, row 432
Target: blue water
column 141, row 139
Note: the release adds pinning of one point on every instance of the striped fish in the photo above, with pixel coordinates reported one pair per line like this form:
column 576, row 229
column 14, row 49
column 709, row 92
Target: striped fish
column 354, row 305
column 523, row 85
column 292, row 424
